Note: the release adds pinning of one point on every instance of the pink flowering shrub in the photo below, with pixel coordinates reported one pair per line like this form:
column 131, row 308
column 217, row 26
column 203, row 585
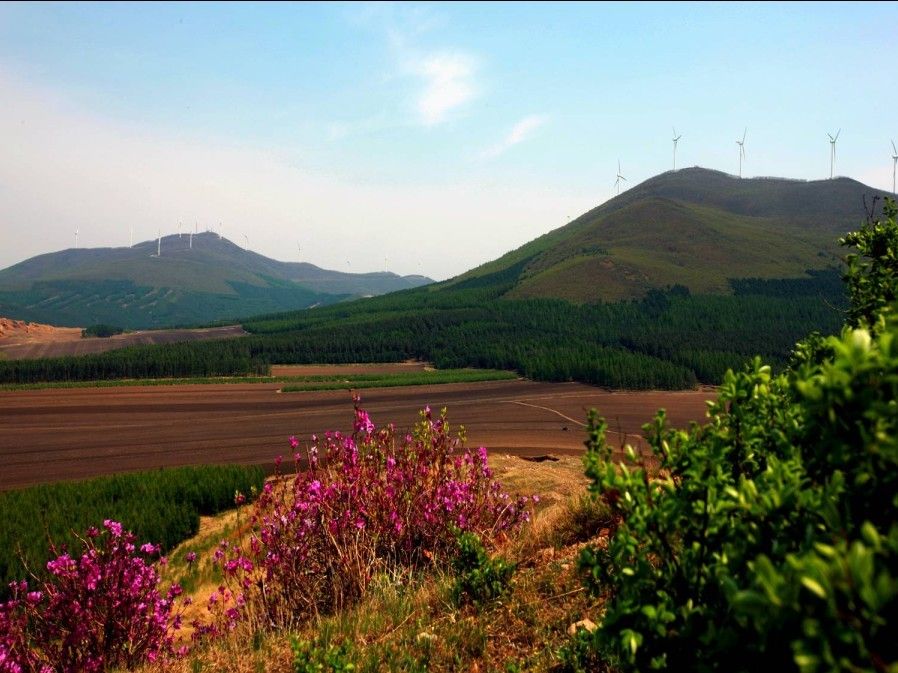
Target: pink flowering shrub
column 100, row 611
column 368, row 503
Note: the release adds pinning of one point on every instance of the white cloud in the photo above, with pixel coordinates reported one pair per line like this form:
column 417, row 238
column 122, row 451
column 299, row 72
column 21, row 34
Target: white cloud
column 448, row 78
column 518, row 134
column 62, row 167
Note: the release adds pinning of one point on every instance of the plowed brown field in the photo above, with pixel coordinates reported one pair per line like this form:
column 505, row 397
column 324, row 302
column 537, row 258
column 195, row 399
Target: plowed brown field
column 49, row 435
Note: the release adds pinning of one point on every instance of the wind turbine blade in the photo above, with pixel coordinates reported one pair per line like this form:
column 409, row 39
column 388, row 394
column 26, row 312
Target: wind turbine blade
column 744, row 133
column 893, row 147
column 837, row 135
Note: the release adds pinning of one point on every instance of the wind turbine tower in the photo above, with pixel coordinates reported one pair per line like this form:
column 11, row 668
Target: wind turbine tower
column 219, row 231
column 179, row 228
column 159, row 244
column 76, row 239
column 676, row 139
column 131, row 236
column 741, row 144
column 894, row 163
column 832, row 152
column 619, row 178
column 245, row 242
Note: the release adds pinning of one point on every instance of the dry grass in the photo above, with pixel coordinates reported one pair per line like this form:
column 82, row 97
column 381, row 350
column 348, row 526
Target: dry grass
column 411, row 623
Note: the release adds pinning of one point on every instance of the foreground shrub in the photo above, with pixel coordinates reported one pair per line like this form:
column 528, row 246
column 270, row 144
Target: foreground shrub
column 315, row 657
column 478, row 578
column 95, row 612
column 768, row 537
column 368, row 504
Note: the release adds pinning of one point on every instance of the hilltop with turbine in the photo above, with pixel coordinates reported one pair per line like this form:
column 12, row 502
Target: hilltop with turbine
column 693, row 227
column 196, row 279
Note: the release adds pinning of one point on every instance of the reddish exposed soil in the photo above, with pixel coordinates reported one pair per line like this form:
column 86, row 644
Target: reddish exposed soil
column 45, row 341
column 49, row 435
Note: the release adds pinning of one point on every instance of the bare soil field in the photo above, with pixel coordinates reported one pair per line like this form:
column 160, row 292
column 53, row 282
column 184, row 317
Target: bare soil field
column 51, row 435
column 61, row 341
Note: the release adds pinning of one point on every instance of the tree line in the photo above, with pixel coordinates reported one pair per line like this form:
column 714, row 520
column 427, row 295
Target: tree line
column 669, row 339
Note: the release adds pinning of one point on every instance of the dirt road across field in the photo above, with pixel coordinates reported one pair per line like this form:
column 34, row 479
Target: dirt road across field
column 62, row 341
column 51, row 435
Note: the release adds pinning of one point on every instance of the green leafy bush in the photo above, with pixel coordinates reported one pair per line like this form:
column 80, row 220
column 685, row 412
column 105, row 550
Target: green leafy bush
column 768, row 538
column 100, row 330
column 321, row 657
column 479, row 579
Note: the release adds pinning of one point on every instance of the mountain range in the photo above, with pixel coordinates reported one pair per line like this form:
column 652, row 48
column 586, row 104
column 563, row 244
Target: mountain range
column 212, row 280
column 694, row 227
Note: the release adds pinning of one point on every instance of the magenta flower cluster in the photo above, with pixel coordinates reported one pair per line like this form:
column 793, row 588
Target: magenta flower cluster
column 360, row 505
column 98, row 611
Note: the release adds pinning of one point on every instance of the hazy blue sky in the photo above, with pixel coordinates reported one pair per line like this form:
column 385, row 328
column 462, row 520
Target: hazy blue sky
column 437, row 136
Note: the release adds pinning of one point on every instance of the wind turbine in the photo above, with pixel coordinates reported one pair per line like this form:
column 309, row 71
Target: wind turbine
column 676, row 139
column 159, row 244
column 832, row 152
column 741, row 144
column 131, row 236
column 619, row 177
column 299, row 251
column 246, row 242
column 76, row 238
column 179, row 228
column 219, row 231
column 894, row 163
column 190, row 243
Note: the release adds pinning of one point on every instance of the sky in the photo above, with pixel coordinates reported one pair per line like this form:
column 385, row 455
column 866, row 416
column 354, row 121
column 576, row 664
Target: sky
column 421, row 138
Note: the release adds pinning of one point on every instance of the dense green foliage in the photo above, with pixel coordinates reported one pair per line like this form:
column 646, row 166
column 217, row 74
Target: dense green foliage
column 872, row 274
column 418, row 378
column 669, row 339
column 101, row 330
column 318, row 657
column 478, row 578
column 163, row 506
column 768, row 538
column 137, row 362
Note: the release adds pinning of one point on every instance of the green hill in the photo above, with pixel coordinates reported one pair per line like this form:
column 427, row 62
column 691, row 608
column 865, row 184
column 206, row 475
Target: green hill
column 136, row 288
column 693, row 227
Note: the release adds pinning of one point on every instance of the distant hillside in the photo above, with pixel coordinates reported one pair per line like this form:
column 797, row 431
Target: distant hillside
column 693, row 227
column 214, row 280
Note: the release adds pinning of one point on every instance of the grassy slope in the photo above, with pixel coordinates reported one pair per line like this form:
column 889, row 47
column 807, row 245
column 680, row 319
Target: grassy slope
column 692, row 227
column 384, row 633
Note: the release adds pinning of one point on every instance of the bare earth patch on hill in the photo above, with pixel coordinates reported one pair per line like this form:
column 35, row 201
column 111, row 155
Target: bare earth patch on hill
column 26, row 341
